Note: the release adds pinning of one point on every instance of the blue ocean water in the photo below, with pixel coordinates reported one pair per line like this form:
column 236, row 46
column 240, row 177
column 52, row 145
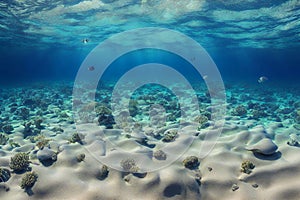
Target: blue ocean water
column 246, row 39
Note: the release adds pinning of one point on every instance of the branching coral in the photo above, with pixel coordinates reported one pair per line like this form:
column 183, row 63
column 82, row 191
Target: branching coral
column 19, row 162
column 28, row 180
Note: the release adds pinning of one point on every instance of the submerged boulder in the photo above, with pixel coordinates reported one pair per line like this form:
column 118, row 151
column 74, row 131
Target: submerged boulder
column 265, row 147
column 47, row 156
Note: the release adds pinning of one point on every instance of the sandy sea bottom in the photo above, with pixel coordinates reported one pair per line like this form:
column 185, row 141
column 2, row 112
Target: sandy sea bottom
column 72, row 153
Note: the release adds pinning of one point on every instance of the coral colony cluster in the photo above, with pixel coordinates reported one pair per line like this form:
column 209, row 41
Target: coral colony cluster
column 36, row 130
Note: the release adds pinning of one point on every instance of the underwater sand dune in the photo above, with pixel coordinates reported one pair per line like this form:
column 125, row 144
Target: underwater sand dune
column 256, row 157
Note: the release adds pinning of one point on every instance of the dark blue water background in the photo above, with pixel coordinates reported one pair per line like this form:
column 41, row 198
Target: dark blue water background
column 22, row 66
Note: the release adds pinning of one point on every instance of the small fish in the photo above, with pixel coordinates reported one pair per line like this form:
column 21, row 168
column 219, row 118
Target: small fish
column 91, row 68
column 262, row 79
column 85, row 40
column 205, row 77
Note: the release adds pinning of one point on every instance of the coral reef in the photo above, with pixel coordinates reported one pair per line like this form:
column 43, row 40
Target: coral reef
column 76, row 137
column 29, row 130
column 257, row 114
column 247, row 167
column 4, row 174
column 159, row 155
column 129, row 165
column 191, row 162
column 203, row 121
column 41, row 141
column 28, row 180
column 170, row 135
column 239, row 111
column 19, row 162
column 105, row 117
column 106, row 120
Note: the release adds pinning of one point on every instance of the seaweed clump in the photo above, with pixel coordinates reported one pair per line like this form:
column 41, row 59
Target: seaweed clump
column 191, row 162
column 247, row 167
column 19, row 162
column 28, row 180
column 4, row 175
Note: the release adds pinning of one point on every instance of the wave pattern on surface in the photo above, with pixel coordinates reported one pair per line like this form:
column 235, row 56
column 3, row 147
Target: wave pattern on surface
column 230, row 23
